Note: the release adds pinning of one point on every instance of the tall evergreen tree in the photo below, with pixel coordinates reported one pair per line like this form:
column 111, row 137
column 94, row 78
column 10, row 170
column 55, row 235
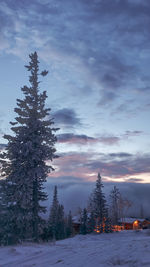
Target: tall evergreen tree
column 98, row 199
column 56, row 222
column 98, row 204
column 24, row 161
column 60, row 226
column 114, row 205
column 69, row 225
column 53, row 217
column 84, row 222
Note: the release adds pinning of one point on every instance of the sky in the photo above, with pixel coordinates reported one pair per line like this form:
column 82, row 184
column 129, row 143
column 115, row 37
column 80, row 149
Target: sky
column 98, row 56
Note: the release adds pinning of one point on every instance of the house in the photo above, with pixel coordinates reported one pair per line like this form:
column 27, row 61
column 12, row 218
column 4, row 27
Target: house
column 100, row 226
column 123, row 224
column 146, row 223
column 134, row 223
column 76, row 223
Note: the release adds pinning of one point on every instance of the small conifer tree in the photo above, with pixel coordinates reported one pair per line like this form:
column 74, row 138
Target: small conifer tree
column 91, row 222
column 84, row 222
column 69, row 225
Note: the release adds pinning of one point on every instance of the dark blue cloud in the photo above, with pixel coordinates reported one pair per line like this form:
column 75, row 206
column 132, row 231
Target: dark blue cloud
column 120, row 155
column 109, row 140
column 75, row 138
column 84, row 139
column 101, row 33
column 143, row 89
column 105, row 139
column 133, row 133
column 107, row 97
column 66, row 117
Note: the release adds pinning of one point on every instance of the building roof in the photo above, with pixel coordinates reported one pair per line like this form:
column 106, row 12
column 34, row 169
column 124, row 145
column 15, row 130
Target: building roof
column 76, row 219
column 131, row 220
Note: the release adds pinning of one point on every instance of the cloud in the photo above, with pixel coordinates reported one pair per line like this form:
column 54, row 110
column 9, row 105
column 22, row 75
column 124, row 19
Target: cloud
column 109, row 140
column 100, row 34
column 137, row 180
column 74, row 192
column 75, row 138
column 133, row 133
column 71, row 164
column 143, row 89
column 3, row 43
column 113, row 165
column 117, row 71
column 105, row 139
column 127, row 108
column 122, row 167
column 107, row 97
column 85, row 139
column 66, row 117
column 120, row 155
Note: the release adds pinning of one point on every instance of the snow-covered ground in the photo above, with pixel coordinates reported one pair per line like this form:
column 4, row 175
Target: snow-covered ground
column 127, row 248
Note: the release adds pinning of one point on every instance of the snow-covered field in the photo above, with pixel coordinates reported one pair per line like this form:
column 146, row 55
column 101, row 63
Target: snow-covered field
column 128, row 248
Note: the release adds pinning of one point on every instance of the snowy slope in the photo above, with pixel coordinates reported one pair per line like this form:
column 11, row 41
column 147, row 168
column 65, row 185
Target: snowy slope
column 128, row 248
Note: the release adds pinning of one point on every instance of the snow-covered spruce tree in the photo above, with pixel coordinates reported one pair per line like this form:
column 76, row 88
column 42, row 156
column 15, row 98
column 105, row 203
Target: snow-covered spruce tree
column 24, row 161
column 84, row 222
column 98, row 204
column 2, row 213
column 114, row 205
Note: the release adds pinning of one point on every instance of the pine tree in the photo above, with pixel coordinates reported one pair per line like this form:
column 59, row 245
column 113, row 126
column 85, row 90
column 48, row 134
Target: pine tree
column 98, row 205
column 2, row 214
column 99, row 201
column 114, row 205
column 56, row 222
column 53, row 217
column 24, row 161
column 60, row 225
column 107, row 225
column 84, row 222
column 69, row 225
column 91, row 222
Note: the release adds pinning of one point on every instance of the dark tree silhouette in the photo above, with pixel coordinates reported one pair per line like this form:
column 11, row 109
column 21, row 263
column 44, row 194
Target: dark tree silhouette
column 24, row 161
